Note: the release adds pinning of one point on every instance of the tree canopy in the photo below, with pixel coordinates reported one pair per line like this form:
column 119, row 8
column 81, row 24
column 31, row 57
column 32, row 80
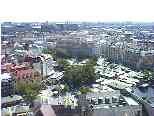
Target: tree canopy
column 78, row 75
column 67, row 53
column 147, row 74
column 50, row 51
column 84, row 90
column 29, row 90
column 63, row 63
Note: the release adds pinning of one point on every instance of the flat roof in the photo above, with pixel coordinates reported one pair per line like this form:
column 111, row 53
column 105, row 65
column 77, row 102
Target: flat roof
column 10, row 99
column 130, row 101
column 15, row 109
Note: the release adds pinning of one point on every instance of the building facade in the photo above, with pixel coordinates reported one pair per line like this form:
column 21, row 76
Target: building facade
column 109, row 104
column 7, row 85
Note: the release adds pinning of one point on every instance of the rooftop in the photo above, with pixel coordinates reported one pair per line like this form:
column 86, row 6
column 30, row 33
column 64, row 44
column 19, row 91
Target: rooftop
column 10, row 99
column 130, row 101
column 14, row 109
column 5, row 76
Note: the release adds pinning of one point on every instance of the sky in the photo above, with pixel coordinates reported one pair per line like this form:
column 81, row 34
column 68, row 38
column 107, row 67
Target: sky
column 76, row 10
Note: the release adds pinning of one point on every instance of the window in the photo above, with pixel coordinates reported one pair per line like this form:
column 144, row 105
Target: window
column 23, row 114
column 138, row 113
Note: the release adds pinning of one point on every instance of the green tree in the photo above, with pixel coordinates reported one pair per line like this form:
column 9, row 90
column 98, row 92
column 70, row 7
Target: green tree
column 63, row 63
column 63, row 53
column 66, row 89
column 29, row 90
column 92, row 61
column 50, row 51
column 78, row 75
column 147, row 74
column 84, row 90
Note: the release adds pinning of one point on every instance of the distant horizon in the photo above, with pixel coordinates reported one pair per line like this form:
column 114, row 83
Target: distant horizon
column 77, row 10
column 70, row 21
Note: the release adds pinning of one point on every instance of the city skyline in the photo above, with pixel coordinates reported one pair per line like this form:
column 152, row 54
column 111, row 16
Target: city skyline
column 77, row 68
column 68, row 10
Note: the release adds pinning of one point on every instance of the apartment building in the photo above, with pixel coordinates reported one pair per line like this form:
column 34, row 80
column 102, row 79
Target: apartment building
column 7, row 85
column 110, row 103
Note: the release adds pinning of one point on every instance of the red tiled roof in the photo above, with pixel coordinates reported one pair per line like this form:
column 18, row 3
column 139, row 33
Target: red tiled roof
column 24, row 73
